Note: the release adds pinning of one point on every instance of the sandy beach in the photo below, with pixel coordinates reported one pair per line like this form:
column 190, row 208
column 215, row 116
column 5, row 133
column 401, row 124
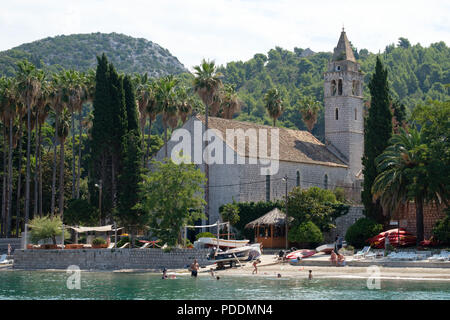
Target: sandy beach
column 270, row 268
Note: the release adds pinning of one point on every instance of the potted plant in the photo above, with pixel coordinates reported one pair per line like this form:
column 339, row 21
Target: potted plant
column 98, row 243
column 74, row 246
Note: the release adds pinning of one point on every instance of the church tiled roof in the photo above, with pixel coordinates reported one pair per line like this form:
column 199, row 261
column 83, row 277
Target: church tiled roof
column 294, row 145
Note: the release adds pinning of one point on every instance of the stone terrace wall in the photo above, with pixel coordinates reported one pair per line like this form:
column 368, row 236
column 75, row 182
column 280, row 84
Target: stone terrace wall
column 431, row 214
column 344, row 222
column 14, row 242
column 108, row 259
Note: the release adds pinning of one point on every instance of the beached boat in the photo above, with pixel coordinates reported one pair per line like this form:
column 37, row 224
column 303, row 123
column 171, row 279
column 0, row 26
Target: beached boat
column 302, row 254
column 223, row 243
column 326, row 248
column 235, row 255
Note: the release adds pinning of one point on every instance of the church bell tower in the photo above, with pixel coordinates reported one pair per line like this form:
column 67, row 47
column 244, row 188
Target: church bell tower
column 344, row 119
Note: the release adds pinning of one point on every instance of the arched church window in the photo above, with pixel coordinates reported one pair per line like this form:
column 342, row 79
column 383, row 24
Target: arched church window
column 340, row 87
column 354, row 92
column 356, row 114
column 325, row 182
column 298, row 178
column 333, row 87
column 337, row 114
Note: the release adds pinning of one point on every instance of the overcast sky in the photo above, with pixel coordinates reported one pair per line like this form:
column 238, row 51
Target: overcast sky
column 227, row 30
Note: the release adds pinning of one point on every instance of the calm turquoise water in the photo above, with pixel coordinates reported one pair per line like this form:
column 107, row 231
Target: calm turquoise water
column 111, row 286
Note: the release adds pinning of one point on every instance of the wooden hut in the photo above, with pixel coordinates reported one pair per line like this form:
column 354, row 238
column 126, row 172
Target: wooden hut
column 270, row 229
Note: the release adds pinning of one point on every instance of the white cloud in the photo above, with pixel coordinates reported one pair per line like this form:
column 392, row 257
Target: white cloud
column 227, row 30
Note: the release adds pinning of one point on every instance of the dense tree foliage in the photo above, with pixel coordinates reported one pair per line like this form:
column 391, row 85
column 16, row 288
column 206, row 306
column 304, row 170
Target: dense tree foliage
column 166, row 182
column 415, row 74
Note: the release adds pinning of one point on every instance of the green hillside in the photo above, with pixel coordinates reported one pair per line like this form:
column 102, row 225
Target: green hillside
column 415, row 73
column 79, row 51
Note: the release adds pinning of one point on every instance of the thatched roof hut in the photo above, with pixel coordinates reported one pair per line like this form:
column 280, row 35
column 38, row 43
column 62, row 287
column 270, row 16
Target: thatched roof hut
column 270, row 229
column 273, row 218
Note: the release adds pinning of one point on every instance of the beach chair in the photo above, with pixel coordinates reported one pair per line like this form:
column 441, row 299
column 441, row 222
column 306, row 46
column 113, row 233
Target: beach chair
column 145, row 245
column 362, row 253
column 126, row 245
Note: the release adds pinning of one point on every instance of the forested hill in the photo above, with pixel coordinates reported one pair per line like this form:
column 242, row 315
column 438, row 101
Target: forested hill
column 415, row 73
column 79, row 51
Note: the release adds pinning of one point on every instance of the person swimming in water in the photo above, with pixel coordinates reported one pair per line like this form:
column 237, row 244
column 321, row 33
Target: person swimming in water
column 164, row 276
column 194, row 268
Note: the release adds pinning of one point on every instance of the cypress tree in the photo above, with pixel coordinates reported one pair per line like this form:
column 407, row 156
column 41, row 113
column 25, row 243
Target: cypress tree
column 377, row 132
column 130, row 104
column 131, row 172
column 119, row 122
column 101, row 128
column 108, row 131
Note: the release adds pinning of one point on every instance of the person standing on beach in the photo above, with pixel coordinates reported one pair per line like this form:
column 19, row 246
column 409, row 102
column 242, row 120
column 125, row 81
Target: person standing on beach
column 194, row 268
column 9, row 249
column 310, row 275
column 386, row 244
column 340, row 241
column 335, row 244
column 255, row 263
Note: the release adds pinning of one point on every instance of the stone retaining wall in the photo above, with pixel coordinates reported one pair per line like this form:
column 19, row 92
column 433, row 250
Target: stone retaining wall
column 14, row 242
column 344, row 222
column 108, row 259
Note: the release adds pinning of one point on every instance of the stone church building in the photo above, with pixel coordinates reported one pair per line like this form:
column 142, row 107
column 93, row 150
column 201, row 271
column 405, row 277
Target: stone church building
column 301, row 158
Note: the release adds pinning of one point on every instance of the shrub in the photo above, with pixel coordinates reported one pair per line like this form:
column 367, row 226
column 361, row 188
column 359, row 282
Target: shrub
column 230, row 212
column 441, row 230
column 339, row 193
column 204, row 235
column 362, row 230
column 306, row 233
column 98, row 241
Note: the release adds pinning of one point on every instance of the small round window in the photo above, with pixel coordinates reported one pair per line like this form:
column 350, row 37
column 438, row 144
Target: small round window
column 338, row 68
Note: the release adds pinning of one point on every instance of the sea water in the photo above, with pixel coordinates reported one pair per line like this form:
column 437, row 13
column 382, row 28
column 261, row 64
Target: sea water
column 124, row 286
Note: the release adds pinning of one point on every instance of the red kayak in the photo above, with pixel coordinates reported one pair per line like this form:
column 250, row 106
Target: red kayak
column 397, row 238
column 304, row 253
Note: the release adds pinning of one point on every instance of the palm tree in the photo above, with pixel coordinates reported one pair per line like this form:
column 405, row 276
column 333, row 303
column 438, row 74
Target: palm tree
column 8, row 111
column 63, row 132
column 273, row 104
column 230, row 102
column 76, row 95
column 207, row 83
column 88, row 96
column 28, row 87
column 143, row 94
column 57, row 93
column 152, row 110
column 184, row 103
column 165, row 98
column 309, row 108
column 41, row 112
column 403, row 175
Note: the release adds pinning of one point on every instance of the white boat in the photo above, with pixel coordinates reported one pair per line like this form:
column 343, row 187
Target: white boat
column 223, row 244
column 326, row 248
column 235, row 255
